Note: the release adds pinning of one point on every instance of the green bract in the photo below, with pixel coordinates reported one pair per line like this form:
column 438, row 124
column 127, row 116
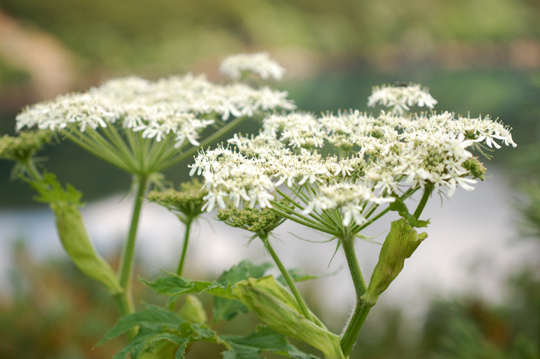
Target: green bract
column 72, row 232
column 399, row 245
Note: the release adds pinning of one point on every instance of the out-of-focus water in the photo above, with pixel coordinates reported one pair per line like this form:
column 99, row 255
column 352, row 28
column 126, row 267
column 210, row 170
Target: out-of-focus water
column 472, row 246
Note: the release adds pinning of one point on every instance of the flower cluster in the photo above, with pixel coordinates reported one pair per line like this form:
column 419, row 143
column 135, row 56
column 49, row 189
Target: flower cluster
column 259, row 63
column 373, row 159
column 401, row 98
column 176, row 106
column 22, row 147
column 187, row 202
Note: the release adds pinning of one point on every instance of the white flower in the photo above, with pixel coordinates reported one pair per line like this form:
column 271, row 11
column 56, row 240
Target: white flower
column 369, row 159
column 168, row 107
column 259, row 63
column 401, row 98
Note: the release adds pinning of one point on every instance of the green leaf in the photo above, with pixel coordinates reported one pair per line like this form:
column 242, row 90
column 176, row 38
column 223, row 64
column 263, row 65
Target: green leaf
column 51, row 191
column 153, row 319
column 243, row 271
column 225, row 308
column 399, row 206
column 399, row 245
column 174, row 285
column 157, row 328
column 263, row 339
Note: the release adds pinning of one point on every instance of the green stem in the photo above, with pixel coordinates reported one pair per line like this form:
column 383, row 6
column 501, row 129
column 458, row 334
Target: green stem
column 180, row 268
column 300, row 221
column 357, row 320
column 125, row 307
column 423, row 201
column 406, row 195
column 32, row 170
column 209, row 140
column 288, row 279
column 129, row 249
column 353, row 327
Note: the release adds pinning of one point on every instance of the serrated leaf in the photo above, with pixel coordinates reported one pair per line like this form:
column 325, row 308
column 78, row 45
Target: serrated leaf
column 157, row 325
column 174, row 285
column 263, row 339
column 51, row 191
column 154, row 319
column 226, row 308
column 243, row 271
column 151, row 343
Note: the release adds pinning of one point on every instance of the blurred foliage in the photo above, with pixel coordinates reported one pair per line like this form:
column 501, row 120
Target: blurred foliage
column 56, row 312
column 121, row 34
column 11, row 76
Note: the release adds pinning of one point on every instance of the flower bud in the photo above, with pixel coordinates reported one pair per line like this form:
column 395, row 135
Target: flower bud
column 22, row 147
column 475, row 167
column 193, row 311
column 277, row 308
column 77, row 244
column 399, row 245
column 187, row 202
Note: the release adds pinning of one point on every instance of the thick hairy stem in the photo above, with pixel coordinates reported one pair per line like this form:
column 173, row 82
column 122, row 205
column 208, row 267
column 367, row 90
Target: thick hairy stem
column 288, row 279
column 360, row 312
column 126, row 263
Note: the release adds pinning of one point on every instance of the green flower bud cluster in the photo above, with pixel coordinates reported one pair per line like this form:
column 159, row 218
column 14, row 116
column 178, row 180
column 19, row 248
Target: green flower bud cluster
column 475, row 167
column 187, row 202
column 22, row 147
column 258, row 221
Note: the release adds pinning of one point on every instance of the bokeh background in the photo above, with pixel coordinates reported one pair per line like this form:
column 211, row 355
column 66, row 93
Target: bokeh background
column 471, row 291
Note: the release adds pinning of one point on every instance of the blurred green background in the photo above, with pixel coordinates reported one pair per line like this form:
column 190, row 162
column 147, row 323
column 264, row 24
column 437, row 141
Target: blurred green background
column 481, row 56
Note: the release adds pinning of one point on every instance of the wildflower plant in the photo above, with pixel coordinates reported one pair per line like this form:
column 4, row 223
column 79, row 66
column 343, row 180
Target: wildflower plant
column 376, row 163
column 335, row 173
column 144, row 127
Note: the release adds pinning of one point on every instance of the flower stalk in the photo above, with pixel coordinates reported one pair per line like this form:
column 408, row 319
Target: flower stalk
column 361, row 311
column 287, row 277
column 128, row 254
column 180, row 268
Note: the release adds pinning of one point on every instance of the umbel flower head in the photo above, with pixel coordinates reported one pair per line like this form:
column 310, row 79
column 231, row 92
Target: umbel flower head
column 373, row 159
column 22, row 147
column 186, row 203
column 259, row 64
column 401, row 97
column 171, row 111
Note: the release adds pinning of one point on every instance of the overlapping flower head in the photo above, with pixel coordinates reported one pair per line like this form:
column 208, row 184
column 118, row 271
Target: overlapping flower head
column 174, row 110
column 373, row 160
column 259, row 63
column 402, row 97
